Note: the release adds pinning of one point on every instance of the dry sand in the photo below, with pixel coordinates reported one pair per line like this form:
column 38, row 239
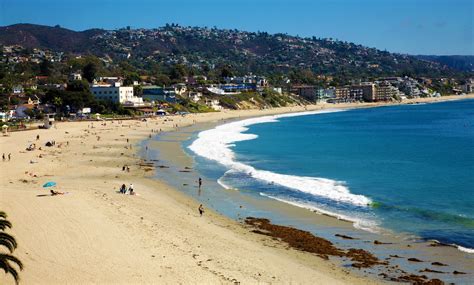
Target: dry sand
column 92, row 234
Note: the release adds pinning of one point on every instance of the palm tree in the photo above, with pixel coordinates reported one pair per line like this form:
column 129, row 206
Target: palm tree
column 6, row 259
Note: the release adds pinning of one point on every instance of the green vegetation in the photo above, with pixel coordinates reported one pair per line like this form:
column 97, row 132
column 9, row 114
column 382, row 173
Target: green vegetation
column 185, row 105
column 9, row 263
column 267, row 98
column 169, row 53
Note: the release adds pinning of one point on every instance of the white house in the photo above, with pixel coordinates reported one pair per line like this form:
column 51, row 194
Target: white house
column 195, row 96
column 468, row 87
column 116, row 93
column 18, row 89
column 75, row 76
column 214, row 104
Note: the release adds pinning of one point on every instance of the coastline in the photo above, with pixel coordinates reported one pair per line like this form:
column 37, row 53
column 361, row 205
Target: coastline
column 395, row 247
column 95, row 235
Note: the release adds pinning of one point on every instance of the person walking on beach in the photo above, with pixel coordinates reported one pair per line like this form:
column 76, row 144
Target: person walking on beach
column 201, row 210
column 3, row 157
column 37, row 137
column 9, row 156
column 200, row 182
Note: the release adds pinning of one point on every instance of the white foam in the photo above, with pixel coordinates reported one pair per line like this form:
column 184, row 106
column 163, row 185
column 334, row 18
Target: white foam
column 358, row 223
column 465, row 249
column 225, row 186
column 215, row 144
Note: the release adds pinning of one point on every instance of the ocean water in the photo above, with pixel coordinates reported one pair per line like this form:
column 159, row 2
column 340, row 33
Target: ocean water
column 408, row 169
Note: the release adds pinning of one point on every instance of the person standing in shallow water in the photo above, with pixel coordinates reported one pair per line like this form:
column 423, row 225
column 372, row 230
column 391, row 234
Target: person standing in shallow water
column 201, row 210
column 199, row 186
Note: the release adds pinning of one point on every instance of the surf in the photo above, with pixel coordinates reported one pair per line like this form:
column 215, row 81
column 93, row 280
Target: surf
column 216, row 144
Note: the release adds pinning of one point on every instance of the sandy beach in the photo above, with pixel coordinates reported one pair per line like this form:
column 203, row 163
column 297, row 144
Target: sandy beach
column 93, row 234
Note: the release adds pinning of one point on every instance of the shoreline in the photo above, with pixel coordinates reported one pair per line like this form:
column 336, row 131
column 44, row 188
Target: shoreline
column 398, row 243
column 94, row 235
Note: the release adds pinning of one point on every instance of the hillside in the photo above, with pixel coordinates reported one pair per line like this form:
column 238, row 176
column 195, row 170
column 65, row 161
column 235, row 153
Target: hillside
column 459, row 62
column 54, row 38
column 260, row 53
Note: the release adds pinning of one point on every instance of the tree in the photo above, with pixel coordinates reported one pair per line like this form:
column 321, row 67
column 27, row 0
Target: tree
column 178, row 72
column 46, row 68
column 78, row 85
column 226, row 72
column 8, row 262
column 90, row 71
column 130, row 78
column 58, row 102
column 76, row 100
column 162, row 80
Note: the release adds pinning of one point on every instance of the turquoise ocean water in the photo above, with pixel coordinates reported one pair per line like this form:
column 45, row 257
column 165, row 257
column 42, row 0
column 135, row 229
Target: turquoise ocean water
column 407, row 168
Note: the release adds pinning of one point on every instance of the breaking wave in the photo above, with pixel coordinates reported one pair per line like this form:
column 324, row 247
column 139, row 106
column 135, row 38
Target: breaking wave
column 216, row 144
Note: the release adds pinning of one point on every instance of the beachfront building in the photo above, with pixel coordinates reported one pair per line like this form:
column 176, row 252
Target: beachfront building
column 154, row 93
column 309, row 92
column 468, row 87
column 384, row 91
column 368, row 90
column 342, row 94
column 352, row 93
column 116, row 93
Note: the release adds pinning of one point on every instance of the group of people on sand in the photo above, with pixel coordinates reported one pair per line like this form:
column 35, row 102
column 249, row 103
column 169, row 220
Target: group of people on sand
column 124, row 189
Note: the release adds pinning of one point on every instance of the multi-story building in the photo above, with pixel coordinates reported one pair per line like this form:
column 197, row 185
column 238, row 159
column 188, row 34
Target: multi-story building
column 308, row 92
column 116, row 93
column 342, row 94
column 384, row 91
column 368, row 91
column 356, row 94
column 156, row 93
column 468, row 87
column 410, row 87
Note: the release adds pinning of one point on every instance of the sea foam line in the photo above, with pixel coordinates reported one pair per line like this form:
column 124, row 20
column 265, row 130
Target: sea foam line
column 465, row 249
column 362, row 224
column 215, row 144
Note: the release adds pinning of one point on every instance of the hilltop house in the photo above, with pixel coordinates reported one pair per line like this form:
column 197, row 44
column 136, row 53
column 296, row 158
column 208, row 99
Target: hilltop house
column 75, row 76
column 18, row 89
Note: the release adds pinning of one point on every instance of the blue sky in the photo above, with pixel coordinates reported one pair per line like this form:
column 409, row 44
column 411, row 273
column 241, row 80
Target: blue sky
column 405, row 26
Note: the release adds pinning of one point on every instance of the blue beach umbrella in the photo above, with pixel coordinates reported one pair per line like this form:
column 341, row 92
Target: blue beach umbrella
column 49, row 184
